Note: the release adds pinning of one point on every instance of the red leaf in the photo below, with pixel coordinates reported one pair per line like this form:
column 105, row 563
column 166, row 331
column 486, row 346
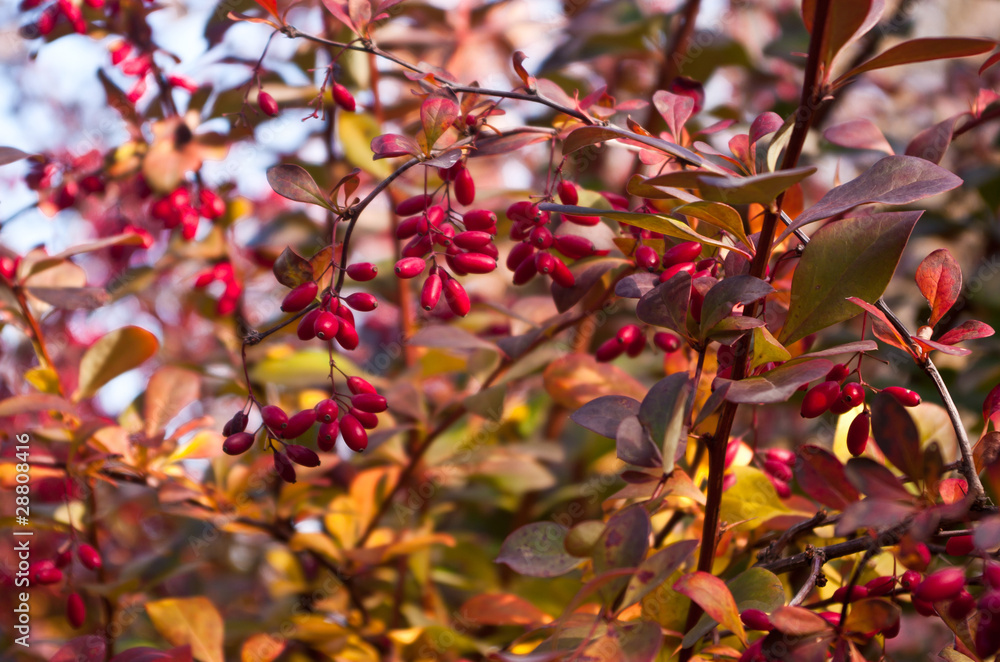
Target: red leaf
column 762, row 125
column 931, row 345
column 991, row 406
column 340, row 11
column 712, row 595
column 271, row 6
column 797, row 621
column 393, row 144
column 847, row 22
column 502, row 609
column 896, row 434
column 881, row 326
column 437, row 114
column 821, row 475
column 932, row 143
column 968, row 331
column 675, row 109
column 993, row 59
column 81, row 649
column 858, row 134
column 922, row 50
column 940, row 281
column 526, row 78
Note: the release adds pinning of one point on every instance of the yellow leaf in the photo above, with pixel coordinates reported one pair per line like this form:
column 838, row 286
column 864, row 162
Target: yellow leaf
column 46, row 380
column 356, row 133
column 190, row 621
column 117, row 352
column 752, row 500
column 261, row 648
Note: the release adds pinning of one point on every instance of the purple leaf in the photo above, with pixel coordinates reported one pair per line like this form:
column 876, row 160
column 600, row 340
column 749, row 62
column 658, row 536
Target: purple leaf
column 858, row 134
column 821, row 475
column 633, row 444
column 776, row 385
column 666, row 305
column 896, row 435
column 875, row 480
column 728, row 293
column 922, row 50
column 604, row 414
column 293, row 182
column 764, row 124
column 393, row 144
column 932, row 143
column 894, row 180
column 590, row 135
column 662, row 413
column 675, row 110
column 871, row 513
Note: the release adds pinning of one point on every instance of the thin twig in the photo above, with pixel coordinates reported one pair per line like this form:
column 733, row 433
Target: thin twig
column 818, row 559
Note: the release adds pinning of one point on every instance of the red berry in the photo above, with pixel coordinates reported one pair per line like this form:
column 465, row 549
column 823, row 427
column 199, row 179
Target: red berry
column 755, row 619
column 881, row 586
column 561, row 274
column 307, row 325
column 465, row 188
column 354, row 434
column 327, row 436
column 274, row 417
column 48, row 574
column 413, row 205
column 838, row 373
column 586, row 221
column 959, row 546
column 284, row 467
column 646, row 258
column 347, row 336
column 526, row 270
column 359, row 385
column 991, row 574
column 628, row 333
column 444, row 236
column 910, row 580
column 780, row 455
column 831, row 617
column 857, row 434
column 368, row 420
column 636, row 345
column 89, row 557
column 238, row 423
column 76, row 610
column 345, row 314
column 567, row 193
column 851, row 395
column 238, row 443
column 573, row 246
column 819, row 398
column 779, row 470
column 923, row 607
column 609, row 350
column 544, row 262
column 456, row 297
column 211, row 206
column 301, row 455
column 961, row 606
column 857, row 593
column 475, row 263
column 941, row 585
column 327, row 326
column 667, row 342
column 362, row 271
column 686, row 251
column 409, row 267
column 362, row 301
column 373, row 403
column 418, row 247
column 92, row 184
column 430, row 294
column 343, row 98
column 480, row 220
column 903, row 396
column 472, row 240
column 519, row 254
column 270, row 108
column 781, row 487
column 298, row 424
column 412, row 226
column 300, row 297
column 326, row 411
column 670, row 272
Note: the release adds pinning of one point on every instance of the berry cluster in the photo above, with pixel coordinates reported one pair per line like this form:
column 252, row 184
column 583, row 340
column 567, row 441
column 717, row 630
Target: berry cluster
column 777, row 465
column 349, row 415
column 48, row 572
column 223, row 273
column 50, row 17
column 467, row 240
column 178, row 209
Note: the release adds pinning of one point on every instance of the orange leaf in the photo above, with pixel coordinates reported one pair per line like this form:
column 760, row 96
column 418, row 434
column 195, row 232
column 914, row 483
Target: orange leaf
column 502, row 609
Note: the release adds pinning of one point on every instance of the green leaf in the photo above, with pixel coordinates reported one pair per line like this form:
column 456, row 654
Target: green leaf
column 662, row 413
column 762, row 189
column 894, row 180
column 190, row 621
column 293, row 182
column 538, row 550
column 718, row 214
column 656, row 569
column 855, row 257
column 712, row 595
column 116, row 353
column 922, row 50
column 755, row 588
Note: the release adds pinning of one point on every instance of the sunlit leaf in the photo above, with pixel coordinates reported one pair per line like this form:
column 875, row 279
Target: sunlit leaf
column 656, row 569
column 940, row 281
column 762, row 189
column 170, row 389
column 190, row 621
column 502, row 609
column 712, row 595
column 117, row 352
column 437, row 114
column 293, row 182
column 755, row 588
column 922, row 50
column 752, row 500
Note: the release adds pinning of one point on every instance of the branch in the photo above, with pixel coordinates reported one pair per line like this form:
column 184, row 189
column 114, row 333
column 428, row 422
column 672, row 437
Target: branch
column 818, row 559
